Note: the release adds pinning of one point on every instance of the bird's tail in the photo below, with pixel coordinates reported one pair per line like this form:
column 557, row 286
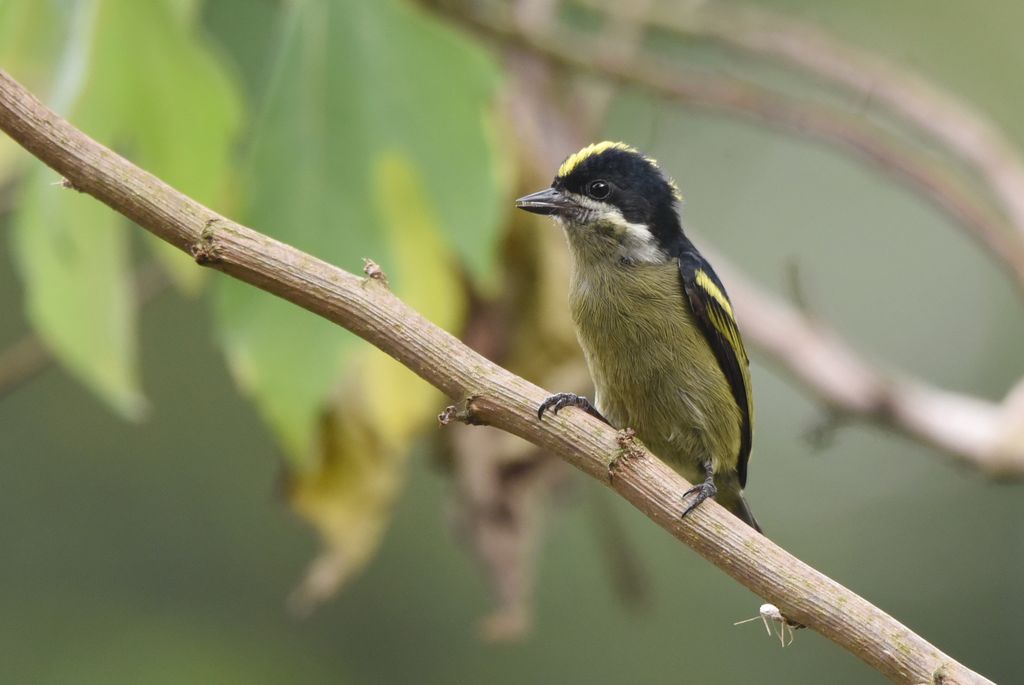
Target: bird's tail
column 737, row 504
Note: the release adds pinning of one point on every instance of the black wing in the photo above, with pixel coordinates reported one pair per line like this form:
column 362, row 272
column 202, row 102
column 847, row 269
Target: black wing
column 713, row 312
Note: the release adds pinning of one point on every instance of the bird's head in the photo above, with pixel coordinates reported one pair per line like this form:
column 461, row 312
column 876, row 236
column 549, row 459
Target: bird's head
column 609, row 195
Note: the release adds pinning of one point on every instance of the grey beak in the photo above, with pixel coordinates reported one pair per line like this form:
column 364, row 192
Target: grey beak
column 547, row 201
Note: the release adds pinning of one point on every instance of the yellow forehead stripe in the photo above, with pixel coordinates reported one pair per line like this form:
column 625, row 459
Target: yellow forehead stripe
column 574, row 160
column 577, row 158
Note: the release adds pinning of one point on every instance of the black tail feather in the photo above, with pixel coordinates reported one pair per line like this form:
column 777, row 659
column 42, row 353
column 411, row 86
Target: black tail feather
column 741, row 510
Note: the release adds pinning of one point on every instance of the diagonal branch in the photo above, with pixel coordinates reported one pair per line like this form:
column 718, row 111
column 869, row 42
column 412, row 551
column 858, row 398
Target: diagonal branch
column 977, row 432
column 807, row 119
column 945, row 118
column 489, row 394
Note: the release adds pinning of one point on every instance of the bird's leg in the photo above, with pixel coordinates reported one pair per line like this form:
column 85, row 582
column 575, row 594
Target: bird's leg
column 702, row 491
column 561, row 400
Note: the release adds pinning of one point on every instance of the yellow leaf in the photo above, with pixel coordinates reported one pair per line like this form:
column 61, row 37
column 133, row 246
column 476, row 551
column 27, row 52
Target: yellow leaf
column 349, row 500
column 365, row 439
column 395, row 397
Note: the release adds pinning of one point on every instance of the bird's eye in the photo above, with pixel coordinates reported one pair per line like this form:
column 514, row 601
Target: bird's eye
column 598, row 190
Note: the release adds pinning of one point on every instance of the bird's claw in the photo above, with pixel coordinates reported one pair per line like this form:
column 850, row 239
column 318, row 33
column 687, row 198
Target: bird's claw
column 561, row 400
column 702, row 491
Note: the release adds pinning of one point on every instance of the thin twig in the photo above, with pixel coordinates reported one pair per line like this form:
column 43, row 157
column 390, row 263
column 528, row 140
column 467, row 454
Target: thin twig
column 808, row 119
column 976, row 432
column 21, row 361
column 7, row 192
column 945, row 118
column 491, row 394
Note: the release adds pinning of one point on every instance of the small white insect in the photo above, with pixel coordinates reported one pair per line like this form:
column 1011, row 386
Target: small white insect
column 770, row 612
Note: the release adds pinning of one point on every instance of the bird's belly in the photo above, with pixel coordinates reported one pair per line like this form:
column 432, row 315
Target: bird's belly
column 654, row 372
column 674, row 414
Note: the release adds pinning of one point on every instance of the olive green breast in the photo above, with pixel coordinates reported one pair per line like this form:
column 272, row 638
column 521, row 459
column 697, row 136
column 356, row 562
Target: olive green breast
column 651, row 365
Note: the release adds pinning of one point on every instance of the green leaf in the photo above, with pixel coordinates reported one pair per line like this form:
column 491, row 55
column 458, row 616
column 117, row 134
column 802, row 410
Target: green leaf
column 71, row 252
column 30, row 34
column 396, row 399
column 248, row 45
column 134, row 76
column 365, row 436
column 162, row 95
column 354, row 83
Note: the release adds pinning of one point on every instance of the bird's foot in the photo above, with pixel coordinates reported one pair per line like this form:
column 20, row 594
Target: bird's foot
column 561, row 400
column 701, row 491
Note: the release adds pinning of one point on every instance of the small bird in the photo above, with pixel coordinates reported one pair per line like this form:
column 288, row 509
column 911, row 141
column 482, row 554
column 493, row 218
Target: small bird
column 654, row 321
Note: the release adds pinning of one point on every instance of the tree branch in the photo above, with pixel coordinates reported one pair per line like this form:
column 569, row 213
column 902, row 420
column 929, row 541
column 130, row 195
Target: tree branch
column 808, row 119
column 942, row 116
column 21, row 361
column 486, row 392
column 977, row 432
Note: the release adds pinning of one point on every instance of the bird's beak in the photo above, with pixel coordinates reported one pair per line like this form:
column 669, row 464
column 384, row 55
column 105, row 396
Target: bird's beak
column 547, row 201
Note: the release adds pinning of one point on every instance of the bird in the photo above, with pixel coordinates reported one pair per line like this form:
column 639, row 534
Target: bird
column 654, row 321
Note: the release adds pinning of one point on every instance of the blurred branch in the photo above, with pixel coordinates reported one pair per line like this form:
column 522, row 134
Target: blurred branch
column 807, row 119
column 489, row 393
column 629, row 576
column 7, row 191
column 21, row 361
column 977, row 432
column 928, row 108
column 984, row 435
column 622, row 34
column 503, row 488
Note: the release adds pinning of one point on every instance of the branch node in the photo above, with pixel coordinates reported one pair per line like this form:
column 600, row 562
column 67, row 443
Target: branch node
column 204, row 250
column 374, row 272
column 798, row 288
column 66, row 183
column 822, row 434
column 463, row 412
column 447, row 415
column 629, row 451
column 939, row 676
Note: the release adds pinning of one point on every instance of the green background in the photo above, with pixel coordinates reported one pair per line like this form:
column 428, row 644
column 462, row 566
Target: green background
column 160, row 552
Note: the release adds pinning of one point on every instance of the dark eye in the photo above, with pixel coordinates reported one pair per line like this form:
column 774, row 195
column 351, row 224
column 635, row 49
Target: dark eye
column 598, row 190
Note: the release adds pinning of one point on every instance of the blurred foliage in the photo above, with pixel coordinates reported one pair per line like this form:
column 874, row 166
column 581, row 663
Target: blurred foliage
column 354, row 83
column 30, row 43
column 348, row 122
column 176, row 117
column 365, row 436
column 368, row 129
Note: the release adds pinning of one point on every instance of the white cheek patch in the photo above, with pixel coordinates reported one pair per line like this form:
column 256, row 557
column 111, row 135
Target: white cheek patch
column 636, row 244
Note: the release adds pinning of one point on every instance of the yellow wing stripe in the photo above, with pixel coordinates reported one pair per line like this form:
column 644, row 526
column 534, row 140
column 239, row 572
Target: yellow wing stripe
column 728, row 331
column 722, row 318
column 711, row 288
column 717, row 314
column 577, row 158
